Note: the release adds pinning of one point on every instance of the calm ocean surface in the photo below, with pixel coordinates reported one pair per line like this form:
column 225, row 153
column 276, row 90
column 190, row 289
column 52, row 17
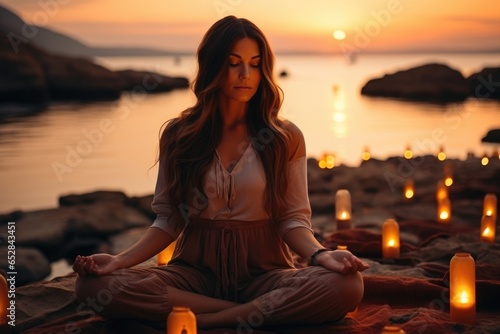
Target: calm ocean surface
column 73, row 148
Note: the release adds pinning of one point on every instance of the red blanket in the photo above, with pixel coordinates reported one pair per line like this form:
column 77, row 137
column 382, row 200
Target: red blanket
column 410, row 292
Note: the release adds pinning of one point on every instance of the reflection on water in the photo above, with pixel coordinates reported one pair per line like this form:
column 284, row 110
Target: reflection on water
column 339, row 113
column 113, row 145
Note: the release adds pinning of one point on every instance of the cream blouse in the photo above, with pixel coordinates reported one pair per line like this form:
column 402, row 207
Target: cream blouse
column 239, row 194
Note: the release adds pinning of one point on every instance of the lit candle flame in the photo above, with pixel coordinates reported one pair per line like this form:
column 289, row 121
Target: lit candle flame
column 464, row 297
column 343, row 215
column 391, row 243
column 487, row 232
column 443, row 215
column 448, row 182
column 409, row 193
column 489, row 212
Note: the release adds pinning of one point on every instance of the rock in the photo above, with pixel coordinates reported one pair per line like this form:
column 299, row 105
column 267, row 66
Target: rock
column 83, row 245
column 92, row 197
column 485, row 84
column 150, row 82
column 493, row 136
column 79, row 79
column 52, row 230
column 124, row 240
column 23, row 78
column 322, row 203
column 30, row 264
column 143, row 204
column 105, row 218
column 44, row 229
column 430, row 82
column 33, row 76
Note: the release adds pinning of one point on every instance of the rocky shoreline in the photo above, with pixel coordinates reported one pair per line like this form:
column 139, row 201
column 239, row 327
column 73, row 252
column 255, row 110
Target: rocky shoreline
column 32, row 78
column 437, row 83
column 110, row 220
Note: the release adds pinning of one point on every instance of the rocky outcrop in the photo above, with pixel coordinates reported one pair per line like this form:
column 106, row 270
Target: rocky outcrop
column 493, row 136
column 430, row 82
column 23, row 78
column 150, row 82
column 31, row 75
column 485, row 84
column 84, row 226
column 36, row 76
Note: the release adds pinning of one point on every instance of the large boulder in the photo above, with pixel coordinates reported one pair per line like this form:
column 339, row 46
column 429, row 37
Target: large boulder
column 30, row 264
column 58, row 232
column 430, row 82
column 493, row 136
column 486, row 83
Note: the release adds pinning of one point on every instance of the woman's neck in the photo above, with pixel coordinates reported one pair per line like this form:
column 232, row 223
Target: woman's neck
column 233, row 114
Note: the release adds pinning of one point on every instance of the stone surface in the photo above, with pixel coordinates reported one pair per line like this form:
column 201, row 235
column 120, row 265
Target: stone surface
column 30, row 264
column 149, row 82
column 485, row 84
column 429, row 82
column 493, row 136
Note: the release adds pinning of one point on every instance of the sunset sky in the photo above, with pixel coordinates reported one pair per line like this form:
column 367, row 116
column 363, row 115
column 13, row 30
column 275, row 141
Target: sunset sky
column 291, row 25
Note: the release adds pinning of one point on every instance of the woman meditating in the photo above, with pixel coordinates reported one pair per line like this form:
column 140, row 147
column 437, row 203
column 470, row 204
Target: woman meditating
column 232, row 190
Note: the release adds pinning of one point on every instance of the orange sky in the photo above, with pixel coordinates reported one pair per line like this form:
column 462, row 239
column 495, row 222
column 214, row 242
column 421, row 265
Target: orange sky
column 371, row 25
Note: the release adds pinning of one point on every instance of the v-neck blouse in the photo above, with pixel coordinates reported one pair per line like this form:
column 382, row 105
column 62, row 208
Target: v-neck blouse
column 240, row 193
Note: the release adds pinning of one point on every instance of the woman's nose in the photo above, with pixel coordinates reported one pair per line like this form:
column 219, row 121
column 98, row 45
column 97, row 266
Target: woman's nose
column 244, row 71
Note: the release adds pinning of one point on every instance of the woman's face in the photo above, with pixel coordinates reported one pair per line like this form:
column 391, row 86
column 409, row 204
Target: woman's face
column 243, row 76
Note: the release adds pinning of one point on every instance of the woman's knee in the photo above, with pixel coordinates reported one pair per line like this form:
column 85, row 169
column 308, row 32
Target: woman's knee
column 353, row 289
column 348, row 288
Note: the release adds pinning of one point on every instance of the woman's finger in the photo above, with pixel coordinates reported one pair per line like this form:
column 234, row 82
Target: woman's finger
column 78, row 266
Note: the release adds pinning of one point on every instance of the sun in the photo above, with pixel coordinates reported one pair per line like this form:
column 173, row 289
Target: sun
column 339, row 35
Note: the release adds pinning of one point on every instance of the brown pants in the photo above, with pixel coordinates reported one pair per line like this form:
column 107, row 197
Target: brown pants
column 233, row 260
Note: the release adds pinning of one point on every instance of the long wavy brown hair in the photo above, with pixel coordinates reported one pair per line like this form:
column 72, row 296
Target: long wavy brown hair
column 188, row 142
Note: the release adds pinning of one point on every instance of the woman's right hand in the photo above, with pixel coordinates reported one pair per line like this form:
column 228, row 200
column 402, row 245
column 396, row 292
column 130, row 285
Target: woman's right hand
column 97, row 264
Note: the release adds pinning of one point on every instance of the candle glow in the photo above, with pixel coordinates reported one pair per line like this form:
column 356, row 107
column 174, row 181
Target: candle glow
column 343, row 209
column 464, row 297
column 488, row 226
column 408, row 154
column 444, row 211
column 390, row 239
column 181, row 320
column 409, row 189
column 448, row 181
column 441, row 191
column 366, row 155
column 165, row 255
column 490, row 206
column 463, row 289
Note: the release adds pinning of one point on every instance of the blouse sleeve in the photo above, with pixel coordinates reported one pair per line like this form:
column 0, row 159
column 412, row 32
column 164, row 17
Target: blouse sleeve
column 298, row 212
column 162, row 206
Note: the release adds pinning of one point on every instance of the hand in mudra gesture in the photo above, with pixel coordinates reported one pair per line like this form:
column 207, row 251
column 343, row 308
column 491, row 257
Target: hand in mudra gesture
column 341, row 261
column 97, row 264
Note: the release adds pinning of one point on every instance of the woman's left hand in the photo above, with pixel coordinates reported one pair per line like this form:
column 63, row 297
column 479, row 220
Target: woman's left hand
column 341, row 261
